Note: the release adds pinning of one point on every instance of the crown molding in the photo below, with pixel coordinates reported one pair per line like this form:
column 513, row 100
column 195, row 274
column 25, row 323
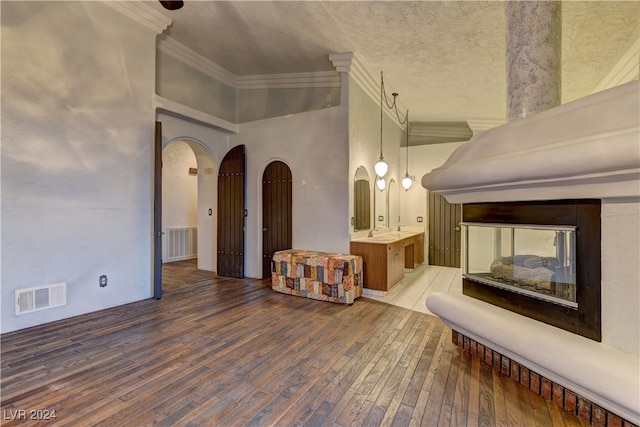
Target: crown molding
column 342, row 61
column 141, row 13
column 454, row 130
column 626, row 70
column 185, row 54
column 480, row 125
column 363, row 78
column 320, row 79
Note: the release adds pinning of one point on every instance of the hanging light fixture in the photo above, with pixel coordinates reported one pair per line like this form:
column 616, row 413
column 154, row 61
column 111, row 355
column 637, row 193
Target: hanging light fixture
column 381, row 183
column 381, row 167
column 407, row 181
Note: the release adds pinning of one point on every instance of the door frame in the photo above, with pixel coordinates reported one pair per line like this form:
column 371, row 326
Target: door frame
column 157, row 212
column 444, row 227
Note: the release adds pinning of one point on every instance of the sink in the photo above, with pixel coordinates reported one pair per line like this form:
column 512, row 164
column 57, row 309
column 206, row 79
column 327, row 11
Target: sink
column 390, row 237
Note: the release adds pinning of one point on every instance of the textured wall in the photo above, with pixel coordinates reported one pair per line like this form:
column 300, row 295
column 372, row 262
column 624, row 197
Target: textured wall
column 77, row 126
column 184, row 84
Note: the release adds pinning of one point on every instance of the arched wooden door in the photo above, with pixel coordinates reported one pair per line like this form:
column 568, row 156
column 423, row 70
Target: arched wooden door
column 276, row 212
column 231, row 213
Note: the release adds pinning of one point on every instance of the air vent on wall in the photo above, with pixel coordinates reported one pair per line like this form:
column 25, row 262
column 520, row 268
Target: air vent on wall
column 39, row 298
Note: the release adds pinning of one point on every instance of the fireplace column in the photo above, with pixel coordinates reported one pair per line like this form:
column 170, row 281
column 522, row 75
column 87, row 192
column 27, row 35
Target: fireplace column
column 534, row 55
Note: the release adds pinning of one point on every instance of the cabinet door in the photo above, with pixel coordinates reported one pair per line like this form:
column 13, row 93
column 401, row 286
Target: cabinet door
column 395, row 266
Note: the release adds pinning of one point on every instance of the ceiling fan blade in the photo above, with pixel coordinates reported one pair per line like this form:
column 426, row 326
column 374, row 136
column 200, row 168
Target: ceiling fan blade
column 172, row 4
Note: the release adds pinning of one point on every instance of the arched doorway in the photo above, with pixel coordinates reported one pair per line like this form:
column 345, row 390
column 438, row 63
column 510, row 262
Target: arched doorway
column 276, row 212
column 193, row 232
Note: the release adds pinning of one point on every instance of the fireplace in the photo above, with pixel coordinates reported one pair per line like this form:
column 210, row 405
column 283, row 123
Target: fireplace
column 539, row 259
column 582, row 156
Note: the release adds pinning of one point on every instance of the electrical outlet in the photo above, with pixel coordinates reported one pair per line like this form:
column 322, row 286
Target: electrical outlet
column 103, row 281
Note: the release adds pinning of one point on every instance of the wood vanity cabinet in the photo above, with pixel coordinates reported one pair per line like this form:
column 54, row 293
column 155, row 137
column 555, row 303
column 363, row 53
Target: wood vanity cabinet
column 384, row 263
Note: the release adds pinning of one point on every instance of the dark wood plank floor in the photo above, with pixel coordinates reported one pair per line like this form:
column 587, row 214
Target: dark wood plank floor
column 223, row 352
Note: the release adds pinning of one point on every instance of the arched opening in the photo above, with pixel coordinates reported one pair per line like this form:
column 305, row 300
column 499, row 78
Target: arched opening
column 189, row 212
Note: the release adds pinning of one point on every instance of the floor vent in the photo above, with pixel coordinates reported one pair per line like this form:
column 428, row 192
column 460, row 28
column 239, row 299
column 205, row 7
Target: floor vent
column 182, row 243
column 39, row 298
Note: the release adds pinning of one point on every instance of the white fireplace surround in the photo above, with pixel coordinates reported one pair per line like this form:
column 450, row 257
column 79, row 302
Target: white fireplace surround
column 586, row 149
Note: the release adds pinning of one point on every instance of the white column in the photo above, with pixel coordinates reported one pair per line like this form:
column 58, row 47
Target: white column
column 534, row 56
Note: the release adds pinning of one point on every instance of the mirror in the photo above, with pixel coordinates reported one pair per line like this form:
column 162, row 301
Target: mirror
column 380, row 204
column 393, row 207
column 362, row 200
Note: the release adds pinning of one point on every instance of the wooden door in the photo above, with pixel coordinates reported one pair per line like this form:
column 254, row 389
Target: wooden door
column 444, row 231
column 276, row 212
column 231, row 213
column 157, row 213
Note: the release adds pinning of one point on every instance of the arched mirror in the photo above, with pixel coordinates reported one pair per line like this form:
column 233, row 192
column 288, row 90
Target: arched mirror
column 380, row 205
column 362, row 200
column 393, row 207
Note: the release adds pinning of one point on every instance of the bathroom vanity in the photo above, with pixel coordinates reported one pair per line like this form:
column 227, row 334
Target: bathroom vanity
column 385, row 256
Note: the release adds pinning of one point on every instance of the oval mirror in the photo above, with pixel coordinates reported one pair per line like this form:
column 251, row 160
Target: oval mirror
column 362, row 200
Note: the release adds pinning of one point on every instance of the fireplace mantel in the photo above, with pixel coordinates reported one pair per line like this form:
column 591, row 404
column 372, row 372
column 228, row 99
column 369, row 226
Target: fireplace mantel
column 588, row 148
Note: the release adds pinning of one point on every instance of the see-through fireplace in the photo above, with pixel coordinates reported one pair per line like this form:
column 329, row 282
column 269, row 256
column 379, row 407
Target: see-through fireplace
column 540, row 259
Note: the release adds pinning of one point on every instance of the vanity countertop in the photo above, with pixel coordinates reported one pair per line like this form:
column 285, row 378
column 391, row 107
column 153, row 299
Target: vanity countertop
column 388, row 237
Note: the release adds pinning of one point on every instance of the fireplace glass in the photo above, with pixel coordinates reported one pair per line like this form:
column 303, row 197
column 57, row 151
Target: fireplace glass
column 538, row 261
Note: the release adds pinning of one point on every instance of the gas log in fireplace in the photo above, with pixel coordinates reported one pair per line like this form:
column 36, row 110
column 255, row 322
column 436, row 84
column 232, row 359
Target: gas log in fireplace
column 539, row 259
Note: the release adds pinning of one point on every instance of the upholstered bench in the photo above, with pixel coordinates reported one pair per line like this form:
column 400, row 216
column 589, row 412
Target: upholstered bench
column 317, row 275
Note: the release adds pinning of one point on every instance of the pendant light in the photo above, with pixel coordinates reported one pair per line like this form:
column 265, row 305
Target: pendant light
column 407, row 181
column 381, row 167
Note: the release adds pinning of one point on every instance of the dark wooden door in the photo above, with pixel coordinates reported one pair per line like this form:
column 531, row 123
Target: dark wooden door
column 444, row 232
column 231, row 213
column 276, row 212
column 157, row 213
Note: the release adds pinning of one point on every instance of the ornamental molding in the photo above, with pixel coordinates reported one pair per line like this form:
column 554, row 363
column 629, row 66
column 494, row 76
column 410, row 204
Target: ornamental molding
column 141, row 13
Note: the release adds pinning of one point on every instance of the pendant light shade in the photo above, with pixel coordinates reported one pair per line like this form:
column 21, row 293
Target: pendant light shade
column 381, row 183
column 407, row 182
column 381, row 167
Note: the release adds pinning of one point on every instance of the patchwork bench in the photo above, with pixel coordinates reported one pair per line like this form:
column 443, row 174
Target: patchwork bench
column 317, row 275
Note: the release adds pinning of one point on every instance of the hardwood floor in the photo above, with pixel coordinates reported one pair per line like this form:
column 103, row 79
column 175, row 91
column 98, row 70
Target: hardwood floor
column 220, row 351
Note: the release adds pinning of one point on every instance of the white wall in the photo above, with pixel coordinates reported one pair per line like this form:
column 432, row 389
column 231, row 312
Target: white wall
column 414, row 202
column 621, row 274
column 315, row 147
column 179, row 189
column 207, row 209
column 77, row 156
column 364, row 148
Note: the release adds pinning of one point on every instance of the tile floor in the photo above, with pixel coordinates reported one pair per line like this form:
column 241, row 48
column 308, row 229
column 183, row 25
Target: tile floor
column 412, row 291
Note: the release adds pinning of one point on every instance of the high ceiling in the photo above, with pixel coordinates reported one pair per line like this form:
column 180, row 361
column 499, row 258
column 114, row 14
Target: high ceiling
column 446, row 59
